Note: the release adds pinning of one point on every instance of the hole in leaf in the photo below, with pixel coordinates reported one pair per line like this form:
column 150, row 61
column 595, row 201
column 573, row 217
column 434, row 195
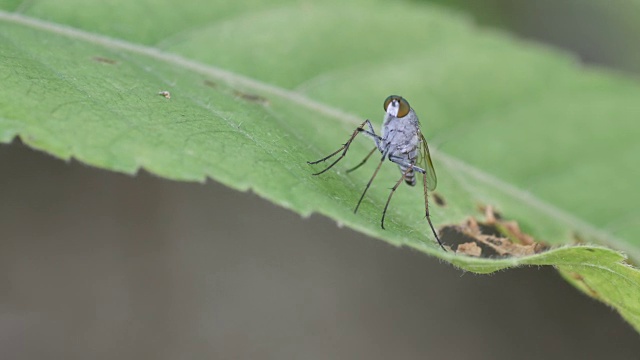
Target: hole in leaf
column 465, row 242
column 493, row 237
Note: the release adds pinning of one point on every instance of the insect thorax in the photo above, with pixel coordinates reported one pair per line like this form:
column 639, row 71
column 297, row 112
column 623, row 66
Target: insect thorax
column 400, row 136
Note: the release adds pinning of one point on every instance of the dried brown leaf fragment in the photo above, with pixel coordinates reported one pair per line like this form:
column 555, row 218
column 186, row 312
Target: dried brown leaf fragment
column 493, row 237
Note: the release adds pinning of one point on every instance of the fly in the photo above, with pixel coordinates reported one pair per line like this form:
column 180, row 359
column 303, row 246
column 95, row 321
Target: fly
column 402, row 142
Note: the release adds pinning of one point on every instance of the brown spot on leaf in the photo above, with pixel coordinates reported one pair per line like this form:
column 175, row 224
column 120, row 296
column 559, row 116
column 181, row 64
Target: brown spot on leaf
column 251, row 97
column 210, row 83
column 104, row 60
column 577, row 238
column 576, row 276
column 579, row 278
column 439, row 199
column 490, row 238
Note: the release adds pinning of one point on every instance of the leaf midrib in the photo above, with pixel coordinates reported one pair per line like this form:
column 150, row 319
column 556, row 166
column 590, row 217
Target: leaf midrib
column 232, row 78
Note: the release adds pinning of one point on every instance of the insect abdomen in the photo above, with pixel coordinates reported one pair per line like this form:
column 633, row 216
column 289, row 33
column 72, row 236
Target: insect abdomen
column 410, row 177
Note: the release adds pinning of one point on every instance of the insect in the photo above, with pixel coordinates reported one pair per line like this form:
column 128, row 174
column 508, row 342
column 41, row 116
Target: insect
column 400, row 141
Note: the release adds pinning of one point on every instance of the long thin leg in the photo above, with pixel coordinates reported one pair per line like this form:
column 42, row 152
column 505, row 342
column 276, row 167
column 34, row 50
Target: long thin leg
column 370, row 181
column 364, row 160
column 401, row 161
column 372, row 134
column 346, row 145
column 426, row 209
column 393, row 190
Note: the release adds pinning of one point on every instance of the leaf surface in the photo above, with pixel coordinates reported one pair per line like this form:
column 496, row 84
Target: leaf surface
column 259, row 89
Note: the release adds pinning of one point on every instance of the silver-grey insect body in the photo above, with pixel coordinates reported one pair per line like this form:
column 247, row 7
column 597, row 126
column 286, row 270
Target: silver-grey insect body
column 400, row 138
column 400, row 141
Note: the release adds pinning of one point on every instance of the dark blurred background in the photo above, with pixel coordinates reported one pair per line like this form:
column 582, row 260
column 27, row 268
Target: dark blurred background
column 101, row 265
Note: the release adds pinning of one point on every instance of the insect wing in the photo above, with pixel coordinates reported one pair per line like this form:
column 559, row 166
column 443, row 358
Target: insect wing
column 426, row 164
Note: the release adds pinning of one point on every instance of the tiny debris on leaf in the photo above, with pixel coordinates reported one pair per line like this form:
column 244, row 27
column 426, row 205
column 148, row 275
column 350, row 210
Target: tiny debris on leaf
column 166, row 94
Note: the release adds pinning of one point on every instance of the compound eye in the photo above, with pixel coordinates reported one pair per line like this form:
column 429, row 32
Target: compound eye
column 404, row 105
column 404, row 108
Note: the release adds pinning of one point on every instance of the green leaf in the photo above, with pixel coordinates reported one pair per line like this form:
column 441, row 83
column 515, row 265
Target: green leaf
column 259, row 89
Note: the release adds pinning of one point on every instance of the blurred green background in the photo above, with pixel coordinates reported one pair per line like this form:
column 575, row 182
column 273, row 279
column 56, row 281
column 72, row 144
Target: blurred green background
column 102, row 265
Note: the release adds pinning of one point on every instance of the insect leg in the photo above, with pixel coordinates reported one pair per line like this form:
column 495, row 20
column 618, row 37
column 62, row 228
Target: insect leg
column 426, row 209
column 370, row 181
column 345, row 147
column 372, row 134
column 364, row 160
column 401, row 161
column 393, row 190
